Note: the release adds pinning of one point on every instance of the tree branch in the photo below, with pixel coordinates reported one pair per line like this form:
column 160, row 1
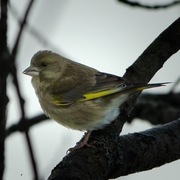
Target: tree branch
column 97, row 162
column 22, row 26
column 4, row 69
column 147, row 149
column 16, row 83
column 111, row 159
column 33, row 31
column 153, row 7
column 156, row 54
column 21, row 126
column 157, row 108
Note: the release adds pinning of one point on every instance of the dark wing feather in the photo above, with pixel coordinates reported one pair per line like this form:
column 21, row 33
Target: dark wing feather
column 98, row 83
column 106, row 81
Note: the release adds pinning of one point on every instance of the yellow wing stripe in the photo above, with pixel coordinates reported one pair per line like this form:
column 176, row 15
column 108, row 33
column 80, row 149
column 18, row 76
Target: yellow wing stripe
column 95, row 95
column 86, row 97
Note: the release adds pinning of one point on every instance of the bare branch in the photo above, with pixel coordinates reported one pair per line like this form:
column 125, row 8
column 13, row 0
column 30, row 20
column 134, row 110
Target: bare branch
column 150, row 7
column 23, row 24
column 33, row 31
column 158, row 52
column 21, row 126
column 148, row 149
column 16, row 83
column 4, row 69
column 122, row 155
column 157, row 108
column 150, row 61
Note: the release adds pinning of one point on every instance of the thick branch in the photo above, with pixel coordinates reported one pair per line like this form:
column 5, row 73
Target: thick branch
column 148, row 149
column 98, row 162
column 4, row 67
column 111, row 158
column 150, row 61
column 154, row 57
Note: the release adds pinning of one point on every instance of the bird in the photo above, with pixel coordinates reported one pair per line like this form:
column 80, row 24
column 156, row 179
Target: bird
column 77, row 96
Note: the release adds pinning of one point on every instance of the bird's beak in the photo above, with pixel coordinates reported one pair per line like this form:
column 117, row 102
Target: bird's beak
column 31, row 71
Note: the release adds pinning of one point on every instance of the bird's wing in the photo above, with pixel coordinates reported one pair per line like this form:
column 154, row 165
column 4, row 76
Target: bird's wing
column 104, row 84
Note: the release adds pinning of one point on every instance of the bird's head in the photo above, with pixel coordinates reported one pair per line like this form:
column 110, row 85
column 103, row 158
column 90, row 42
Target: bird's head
column 45, row 65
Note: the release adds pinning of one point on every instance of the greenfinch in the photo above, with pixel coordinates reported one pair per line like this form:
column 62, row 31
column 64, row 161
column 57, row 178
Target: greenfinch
column 77, row 96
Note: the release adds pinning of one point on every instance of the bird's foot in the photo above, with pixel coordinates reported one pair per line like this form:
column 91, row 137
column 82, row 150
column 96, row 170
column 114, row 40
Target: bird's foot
column 82, row 144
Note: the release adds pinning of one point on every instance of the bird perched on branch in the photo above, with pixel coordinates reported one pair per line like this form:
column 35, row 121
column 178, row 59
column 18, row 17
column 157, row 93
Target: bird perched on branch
column 77, row 96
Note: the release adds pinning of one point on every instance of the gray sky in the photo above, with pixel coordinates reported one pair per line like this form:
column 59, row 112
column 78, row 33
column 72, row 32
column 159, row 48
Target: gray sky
column 103, row 34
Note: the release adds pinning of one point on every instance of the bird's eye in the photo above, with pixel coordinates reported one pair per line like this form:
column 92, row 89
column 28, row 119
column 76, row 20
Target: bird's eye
column 43, row 64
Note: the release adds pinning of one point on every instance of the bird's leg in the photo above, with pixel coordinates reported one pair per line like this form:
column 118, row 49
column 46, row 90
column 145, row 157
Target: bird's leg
column 83, row 143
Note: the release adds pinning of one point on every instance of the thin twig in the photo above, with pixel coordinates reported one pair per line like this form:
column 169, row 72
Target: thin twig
column 20, row 127
column 16, row 83
column 150, row 7
column 23, row 119
column 34, row 32
column 22, row 26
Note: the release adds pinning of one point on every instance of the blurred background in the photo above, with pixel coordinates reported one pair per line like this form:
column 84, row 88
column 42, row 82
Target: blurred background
column 103, row 34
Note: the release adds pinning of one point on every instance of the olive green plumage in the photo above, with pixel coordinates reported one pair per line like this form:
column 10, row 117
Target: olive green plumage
column 77, row 96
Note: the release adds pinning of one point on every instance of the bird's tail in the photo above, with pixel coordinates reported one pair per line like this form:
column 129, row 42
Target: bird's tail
column 135, row 87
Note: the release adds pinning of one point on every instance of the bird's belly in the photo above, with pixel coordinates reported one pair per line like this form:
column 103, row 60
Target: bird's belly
column 87, row 115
